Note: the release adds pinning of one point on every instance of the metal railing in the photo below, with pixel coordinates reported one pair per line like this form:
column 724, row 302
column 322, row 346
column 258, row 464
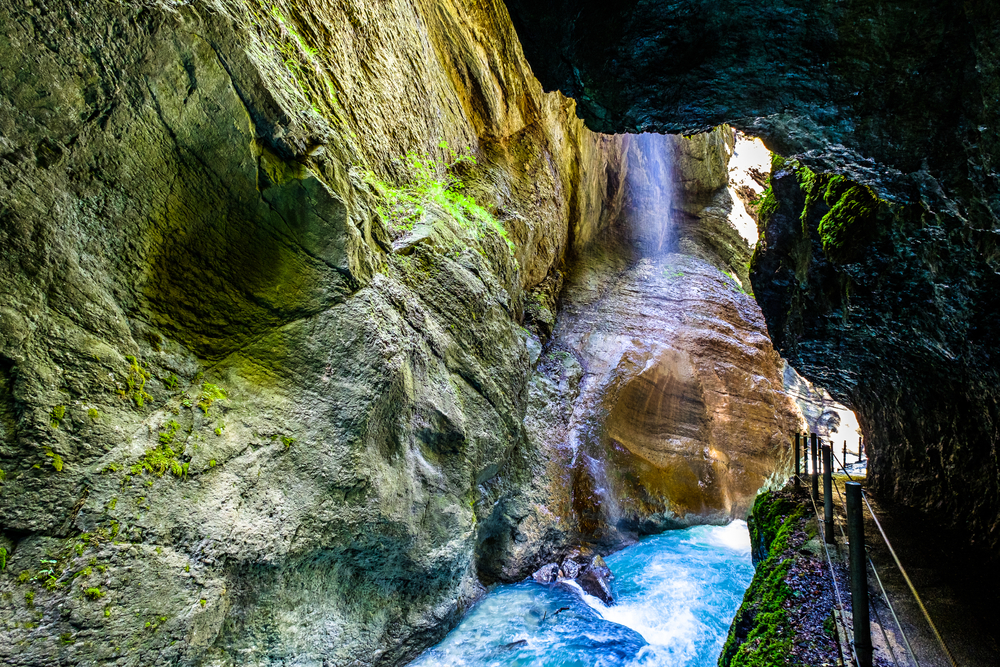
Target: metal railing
column 860, row 560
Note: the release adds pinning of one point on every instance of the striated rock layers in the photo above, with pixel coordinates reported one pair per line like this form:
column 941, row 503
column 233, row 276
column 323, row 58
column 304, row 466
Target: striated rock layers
column 891, row 305
column 659, row 394
column 264, row 397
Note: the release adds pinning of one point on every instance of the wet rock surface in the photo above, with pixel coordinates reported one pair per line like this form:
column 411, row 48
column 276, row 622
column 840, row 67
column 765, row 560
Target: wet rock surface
column 895, row 317
column 677, row 413
column 596, row 580
column 593, row 577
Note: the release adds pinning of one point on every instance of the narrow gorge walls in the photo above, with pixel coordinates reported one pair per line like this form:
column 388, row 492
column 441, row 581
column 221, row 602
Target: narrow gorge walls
column 892, row 306
column 265, row 396
column 244, row 419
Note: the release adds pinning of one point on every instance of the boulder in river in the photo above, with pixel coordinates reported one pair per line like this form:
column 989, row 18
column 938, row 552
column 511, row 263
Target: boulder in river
column 547, row 574
column 570, row 568
column 596, row 580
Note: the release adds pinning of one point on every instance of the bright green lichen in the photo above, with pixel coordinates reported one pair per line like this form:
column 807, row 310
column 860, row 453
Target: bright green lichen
column 135, row 382
column 56, row 416
column 56, row 461
column 853, row 210
column 209, row 394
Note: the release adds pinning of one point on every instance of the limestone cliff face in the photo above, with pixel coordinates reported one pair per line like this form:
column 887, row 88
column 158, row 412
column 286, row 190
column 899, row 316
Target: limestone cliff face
column 237, row 427
column 897, row 316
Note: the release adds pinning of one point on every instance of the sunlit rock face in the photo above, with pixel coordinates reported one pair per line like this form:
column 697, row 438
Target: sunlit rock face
column 899, row 97
column 186, row 213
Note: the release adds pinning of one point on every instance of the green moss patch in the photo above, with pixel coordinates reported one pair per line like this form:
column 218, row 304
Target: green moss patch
column 760, row 635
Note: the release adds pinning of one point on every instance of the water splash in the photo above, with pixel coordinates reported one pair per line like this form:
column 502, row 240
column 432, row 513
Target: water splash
column 677, row 595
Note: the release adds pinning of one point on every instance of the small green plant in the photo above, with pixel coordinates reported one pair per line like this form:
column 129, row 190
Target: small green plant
column 3, row 558
column 211, row 463
column 287, row 441
column 168, row 432
column 433, row 180
column 112, row 503
column 56, row 461
column 159, row 460
column 56, row 416
column 67, row 638
column 171, row 382
column 29, row 598
column 93, row 593
column 93, row 414
column 3, row 476
column 220, row 427
column 209, row 394
column 203, row 602
column 23, row 577
column 107, row 612
column 135, row 380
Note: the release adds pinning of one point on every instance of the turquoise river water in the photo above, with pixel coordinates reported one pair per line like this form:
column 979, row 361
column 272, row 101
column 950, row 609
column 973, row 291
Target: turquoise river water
column 676, row 593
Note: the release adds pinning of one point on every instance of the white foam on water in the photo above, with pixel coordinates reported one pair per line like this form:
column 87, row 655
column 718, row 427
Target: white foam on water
column 679, row 591
column 733, row 536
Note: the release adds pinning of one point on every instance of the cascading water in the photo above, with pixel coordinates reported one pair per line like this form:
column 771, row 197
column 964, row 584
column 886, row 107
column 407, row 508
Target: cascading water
column 676, row 595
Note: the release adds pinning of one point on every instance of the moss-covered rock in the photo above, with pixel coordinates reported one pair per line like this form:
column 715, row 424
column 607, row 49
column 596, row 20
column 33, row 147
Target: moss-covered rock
column 790, row 589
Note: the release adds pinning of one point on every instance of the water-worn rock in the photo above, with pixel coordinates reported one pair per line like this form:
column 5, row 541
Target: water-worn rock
column 596, row 580
column 897, row 323
column 547, row 574
column 235, row 426
column 660, row 398
column 570, row 568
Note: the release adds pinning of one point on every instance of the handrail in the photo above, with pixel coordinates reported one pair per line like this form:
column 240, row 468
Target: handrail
column 885, row 596
column 836, row 588
column 909, row 583
column 906, row 577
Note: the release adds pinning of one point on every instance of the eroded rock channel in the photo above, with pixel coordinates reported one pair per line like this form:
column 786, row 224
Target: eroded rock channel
column 318, row 320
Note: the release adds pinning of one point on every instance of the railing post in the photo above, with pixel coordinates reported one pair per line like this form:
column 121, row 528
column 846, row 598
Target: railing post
column 843, row 461
column 859, row 575
column 798, row 436
column 828, row 494
column 815, row 467
column 861, row 449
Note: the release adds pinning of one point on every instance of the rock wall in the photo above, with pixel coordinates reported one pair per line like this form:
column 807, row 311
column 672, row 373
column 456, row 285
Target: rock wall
column 264, row 393
column 658, row 398
column 892, row 308
column 237, row 426
column 893, row 315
